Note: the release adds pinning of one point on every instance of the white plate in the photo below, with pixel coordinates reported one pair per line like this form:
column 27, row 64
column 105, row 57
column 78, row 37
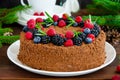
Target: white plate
column 13, row 51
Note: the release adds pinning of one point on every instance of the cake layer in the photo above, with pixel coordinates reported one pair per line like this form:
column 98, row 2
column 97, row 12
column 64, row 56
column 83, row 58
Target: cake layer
column 63, row 59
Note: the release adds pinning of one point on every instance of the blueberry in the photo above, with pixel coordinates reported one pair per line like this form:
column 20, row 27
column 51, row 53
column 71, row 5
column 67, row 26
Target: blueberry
column 55, row 23
column 25, row 29
column 88, row 40
column 75, row 24
column 87, row 30
column 37, row 39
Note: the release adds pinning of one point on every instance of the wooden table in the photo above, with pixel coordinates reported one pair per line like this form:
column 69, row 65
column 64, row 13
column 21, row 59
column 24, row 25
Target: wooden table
column 8, row 70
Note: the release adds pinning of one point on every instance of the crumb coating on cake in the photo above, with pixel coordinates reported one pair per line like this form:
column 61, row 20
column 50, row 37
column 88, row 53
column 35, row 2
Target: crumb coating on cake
column 62, row 59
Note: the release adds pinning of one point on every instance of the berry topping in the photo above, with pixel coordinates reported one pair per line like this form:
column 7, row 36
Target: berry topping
column 78, row 19
column 89, row 25
column 37, row 39
column 31, row 24
column 28, row 35
column 77, row 41
column 88, row 40
column 45, row 39
column 68, row 42
column 55, row 23
column 116, row 77
column 69, row 34
column 95, row 32
column 25, row 29
column 55, row 18
column 87, row 30
column 75, row 24
column 57, row 40
column 42, row 14
column 62, row 35
column 36, row 14
column 82, row 35
column 51, row 32
column 91, row 36
column 61, row 23
column 65, row 16
column 81, row 24
column 39, row 20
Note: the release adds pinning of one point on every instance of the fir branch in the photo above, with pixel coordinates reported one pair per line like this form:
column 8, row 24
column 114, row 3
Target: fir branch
column 104, row 7
column 0, row 44
column 8, row 16
column 110, row 20
column 9, row 39
column 3, row 30
column 0, row 25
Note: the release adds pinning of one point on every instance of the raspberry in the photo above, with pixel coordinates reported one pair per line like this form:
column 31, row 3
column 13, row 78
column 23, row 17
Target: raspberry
column 69, row 34
column 118, row 68
column 91, row 36
column 55, row 18
column 116, row 77
column 29, row 35
column 69, row 42
column 31, row 24
column 65, row 16
column 51, row 32
column 42, row 14
column 89, row 25
column 36, row 14
column 39, row 20
column 62, row 35
column 61, row 23
column 78, row 19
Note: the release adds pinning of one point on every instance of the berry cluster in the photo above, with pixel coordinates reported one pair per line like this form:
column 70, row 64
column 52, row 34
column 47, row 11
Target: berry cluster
column 35, row 30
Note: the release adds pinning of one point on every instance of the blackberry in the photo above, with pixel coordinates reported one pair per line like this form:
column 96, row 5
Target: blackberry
column 96, row 27
column 81, row 24
column 57, row 40
column 45, row 39
column 77, row 41
column 95, row 32
column 82, row 35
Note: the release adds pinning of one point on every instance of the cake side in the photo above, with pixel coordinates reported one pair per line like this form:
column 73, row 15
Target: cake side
column 59, row 58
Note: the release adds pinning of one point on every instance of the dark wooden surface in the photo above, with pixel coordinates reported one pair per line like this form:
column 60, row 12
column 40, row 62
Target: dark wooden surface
column 8, row 70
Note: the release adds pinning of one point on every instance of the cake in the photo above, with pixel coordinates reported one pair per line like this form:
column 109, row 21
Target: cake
column 62, row 44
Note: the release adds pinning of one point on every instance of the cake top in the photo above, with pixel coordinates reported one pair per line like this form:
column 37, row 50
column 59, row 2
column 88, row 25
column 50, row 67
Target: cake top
column 65, row 31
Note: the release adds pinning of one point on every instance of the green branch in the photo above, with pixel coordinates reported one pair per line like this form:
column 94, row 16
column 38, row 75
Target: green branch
column 8, row 39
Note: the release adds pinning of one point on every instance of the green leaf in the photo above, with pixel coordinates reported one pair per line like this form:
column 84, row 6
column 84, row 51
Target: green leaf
column 49, row 17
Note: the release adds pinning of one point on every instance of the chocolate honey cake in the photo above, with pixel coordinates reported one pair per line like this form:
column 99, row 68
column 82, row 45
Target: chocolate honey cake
column 62, row 44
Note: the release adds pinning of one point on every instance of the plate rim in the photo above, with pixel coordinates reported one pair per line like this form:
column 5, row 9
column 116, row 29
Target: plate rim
column 60, row 74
